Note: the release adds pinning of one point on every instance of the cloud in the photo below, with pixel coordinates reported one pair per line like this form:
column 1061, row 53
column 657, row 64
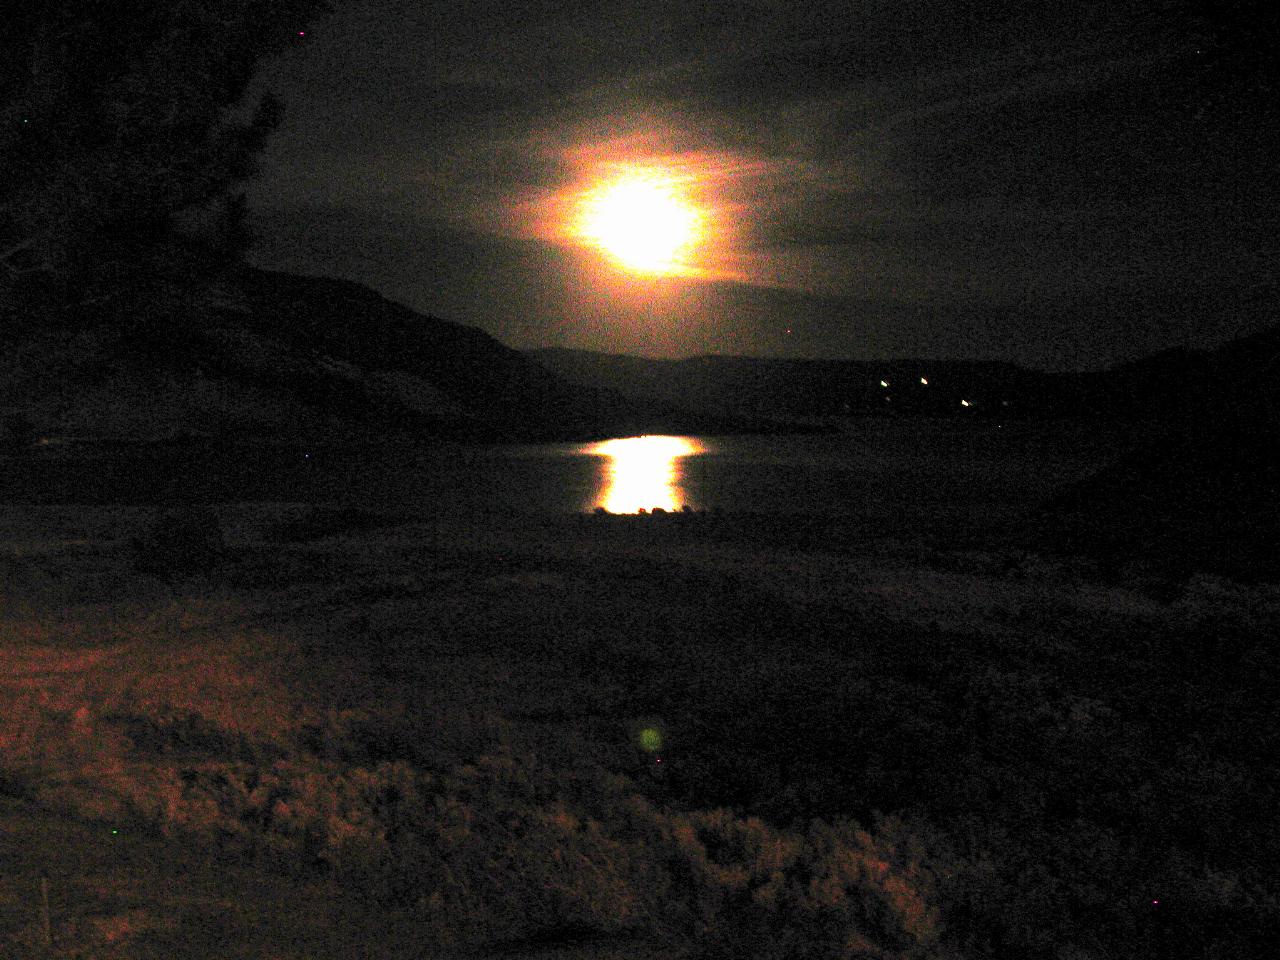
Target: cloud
column 941, row 157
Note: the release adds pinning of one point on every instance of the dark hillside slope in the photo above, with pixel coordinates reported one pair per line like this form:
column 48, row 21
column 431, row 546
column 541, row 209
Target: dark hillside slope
column 1159, row 387
column 276, row 356
column 1170, row 386
column 491, row 389
column 785, row 388
column 1202, row 491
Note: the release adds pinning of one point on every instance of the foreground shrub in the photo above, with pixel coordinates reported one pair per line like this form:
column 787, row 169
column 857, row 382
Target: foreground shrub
column 319, row 522
column 180, row 542
column 505, row 851
column 17, row 433
column 835, row 892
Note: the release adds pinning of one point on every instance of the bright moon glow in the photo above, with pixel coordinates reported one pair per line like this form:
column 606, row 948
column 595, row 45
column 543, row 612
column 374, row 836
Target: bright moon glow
column 643, row 472
column 643, row 220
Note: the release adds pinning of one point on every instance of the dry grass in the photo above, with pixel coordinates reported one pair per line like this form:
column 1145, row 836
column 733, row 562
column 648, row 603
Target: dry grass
column 248, row 714
column 440, row 715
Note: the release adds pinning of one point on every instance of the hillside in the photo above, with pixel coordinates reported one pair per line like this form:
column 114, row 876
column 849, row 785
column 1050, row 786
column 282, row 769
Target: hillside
column 262, row 354
column 1168, row 386
column 1201, row 490
column 783, row 388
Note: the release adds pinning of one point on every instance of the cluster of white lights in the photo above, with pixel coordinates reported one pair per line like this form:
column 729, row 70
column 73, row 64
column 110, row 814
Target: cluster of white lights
column 925, row 382
column 885, row 383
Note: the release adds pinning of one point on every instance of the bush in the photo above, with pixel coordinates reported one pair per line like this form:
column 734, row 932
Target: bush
column 17, row 433
column 320, row 522
column 507, row 851
column 835, row 893
column 180, row 542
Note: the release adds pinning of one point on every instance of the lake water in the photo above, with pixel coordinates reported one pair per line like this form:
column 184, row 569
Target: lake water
column 894, row 470
column 887, row 468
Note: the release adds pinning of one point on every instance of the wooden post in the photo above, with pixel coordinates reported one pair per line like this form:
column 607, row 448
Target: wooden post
column 46, row 932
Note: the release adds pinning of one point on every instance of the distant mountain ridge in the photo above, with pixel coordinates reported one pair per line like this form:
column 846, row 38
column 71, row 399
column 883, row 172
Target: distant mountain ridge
column 788, row 388
column 1170, row 385
column 252, row 352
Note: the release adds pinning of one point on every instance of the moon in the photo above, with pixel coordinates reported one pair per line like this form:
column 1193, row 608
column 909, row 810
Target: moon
column 643, row 221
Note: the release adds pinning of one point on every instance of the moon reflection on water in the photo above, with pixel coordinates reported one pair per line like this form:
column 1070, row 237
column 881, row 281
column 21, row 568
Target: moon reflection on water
column 643, row 472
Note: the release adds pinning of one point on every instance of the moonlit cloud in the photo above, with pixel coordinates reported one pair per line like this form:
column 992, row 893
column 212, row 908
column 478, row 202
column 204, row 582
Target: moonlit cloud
column 968, row 179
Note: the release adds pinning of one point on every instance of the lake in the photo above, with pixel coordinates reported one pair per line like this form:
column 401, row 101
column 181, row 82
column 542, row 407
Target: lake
column 887, row 471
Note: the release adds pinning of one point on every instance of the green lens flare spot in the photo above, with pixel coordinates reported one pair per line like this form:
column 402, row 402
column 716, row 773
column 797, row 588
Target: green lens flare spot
column 650, row 740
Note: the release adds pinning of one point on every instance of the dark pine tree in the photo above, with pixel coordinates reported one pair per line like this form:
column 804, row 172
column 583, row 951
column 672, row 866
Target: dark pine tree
column 117, row 119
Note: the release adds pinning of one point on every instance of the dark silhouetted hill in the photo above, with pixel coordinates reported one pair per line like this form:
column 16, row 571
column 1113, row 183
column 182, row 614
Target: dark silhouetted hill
column 1168, row 386
column 799, row 389
column 1201, row 489
column 273, row 355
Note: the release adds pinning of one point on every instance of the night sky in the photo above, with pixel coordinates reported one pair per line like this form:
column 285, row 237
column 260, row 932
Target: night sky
column 1064, row 185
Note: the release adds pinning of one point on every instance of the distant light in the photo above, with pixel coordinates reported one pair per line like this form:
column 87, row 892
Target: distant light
column 302, row 33
column 883, row 383
column 925, row 381
column 965, row 403
column 788, row 331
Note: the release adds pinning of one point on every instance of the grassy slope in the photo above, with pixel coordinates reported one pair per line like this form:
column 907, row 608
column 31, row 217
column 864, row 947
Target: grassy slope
column 120, row 891
column 1053, row 749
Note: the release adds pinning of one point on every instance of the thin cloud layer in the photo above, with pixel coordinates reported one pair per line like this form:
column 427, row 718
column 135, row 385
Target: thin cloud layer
column 942, row 171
